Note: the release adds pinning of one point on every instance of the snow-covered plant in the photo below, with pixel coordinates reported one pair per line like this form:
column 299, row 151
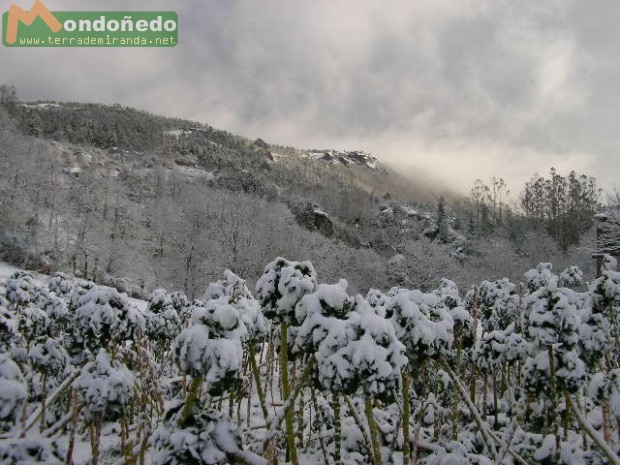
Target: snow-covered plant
column 606, row 386
column 541, row 276
column 554, row 325
column 181, row 304
column 571, row 277
column 232, row 286
column 222, row 319
column 422, row 323
column 234, row 291
column 33, row 322
column 542, row 319
column 48, row 356
column 463, row 330
column 9, row 332
column 105, row 388
column 278, row 291
column 516, row 347
column 61, row 284
column 448, row 293
column 282, row 285
column 104, row 318
column 231, row 311
column 489, row 351
column 595, row 339
column 31, row 451
column 605, row 292
column 376, row 298
column 361, row 353
column 162, row 322
column 13, row 392
column 495, row 351
column 204, row 437
column 158, row 301
column 209, row 358
column 80, row 287
column 554, row 322
column 499, row 304
column 56, row 309
column 20, row 289
column 49, row 360
column 317, row 311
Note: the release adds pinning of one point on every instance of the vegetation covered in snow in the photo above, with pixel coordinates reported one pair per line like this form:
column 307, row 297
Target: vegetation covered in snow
column 303, row 372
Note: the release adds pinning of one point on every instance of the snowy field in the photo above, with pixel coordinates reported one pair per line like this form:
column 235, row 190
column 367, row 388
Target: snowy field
column 300, row 372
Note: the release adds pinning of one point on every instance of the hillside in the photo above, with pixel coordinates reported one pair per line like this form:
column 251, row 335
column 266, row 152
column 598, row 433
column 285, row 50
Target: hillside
column 139, row 201
column 175, row 142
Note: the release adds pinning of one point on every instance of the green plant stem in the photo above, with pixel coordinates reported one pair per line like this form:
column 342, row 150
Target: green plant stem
column 192, row 395
column 289, row 416
column 406, row 415
column 337, row 428
column 276, row 421
column 319, row 418
column 374, row 432
column 553, row 407
column 598, row 440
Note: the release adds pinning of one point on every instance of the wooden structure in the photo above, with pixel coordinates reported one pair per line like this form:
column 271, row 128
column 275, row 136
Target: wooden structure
column 607, row 236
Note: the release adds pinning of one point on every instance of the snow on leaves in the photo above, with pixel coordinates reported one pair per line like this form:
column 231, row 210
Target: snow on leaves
column 168, row 373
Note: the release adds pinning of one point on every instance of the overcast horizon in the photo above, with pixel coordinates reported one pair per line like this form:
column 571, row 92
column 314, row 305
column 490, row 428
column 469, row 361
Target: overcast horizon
column 456, row 90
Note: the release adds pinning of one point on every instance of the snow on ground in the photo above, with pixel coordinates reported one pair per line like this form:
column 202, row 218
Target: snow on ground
column 6, row 270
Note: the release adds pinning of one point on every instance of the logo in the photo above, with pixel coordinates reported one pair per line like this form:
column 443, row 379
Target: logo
column 41, row 27
column 16, row 14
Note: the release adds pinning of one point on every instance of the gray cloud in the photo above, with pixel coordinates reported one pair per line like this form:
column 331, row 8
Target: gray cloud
column 456, row 89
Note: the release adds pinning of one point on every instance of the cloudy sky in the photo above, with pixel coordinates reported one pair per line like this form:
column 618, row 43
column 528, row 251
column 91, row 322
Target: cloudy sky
column 455, row 90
